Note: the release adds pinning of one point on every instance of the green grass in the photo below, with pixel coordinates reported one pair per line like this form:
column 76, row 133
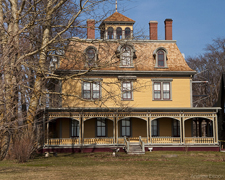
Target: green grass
column 154, row 165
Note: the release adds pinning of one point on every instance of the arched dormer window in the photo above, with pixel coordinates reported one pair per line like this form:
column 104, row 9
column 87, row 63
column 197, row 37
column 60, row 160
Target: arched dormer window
column 126, row 53
column 160, row 55
column 126, row 59
column 110, row 33
column 118, row 33
column 91, row 56
column 127, row 33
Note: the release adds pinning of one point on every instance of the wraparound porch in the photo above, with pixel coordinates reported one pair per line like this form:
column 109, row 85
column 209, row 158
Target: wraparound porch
column 192, row 126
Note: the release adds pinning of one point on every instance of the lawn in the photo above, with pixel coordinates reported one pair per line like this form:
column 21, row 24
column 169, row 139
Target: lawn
column 152, row 165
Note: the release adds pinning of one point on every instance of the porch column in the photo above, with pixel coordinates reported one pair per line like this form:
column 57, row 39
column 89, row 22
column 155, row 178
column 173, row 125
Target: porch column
column 216, row 125
column 80, row 135
column 181, row 130
column 114, row 129
column 183, row 122
column 47, row 131
column 44, row 128
column 82, row 139
column 147, row 129
column 150, row 126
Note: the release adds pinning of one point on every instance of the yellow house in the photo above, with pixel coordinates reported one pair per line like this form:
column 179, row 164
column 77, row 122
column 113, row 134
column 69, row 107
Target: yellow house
column 118, row 92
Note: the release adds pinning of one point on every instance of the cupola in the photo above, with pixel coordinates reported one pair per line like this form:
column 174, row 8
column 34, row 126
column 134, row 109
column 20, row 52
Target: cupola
column 117, row 26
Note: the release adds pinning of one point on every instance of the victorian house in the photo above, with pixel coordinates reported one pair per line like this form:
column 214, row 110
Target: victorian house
column 117, row 91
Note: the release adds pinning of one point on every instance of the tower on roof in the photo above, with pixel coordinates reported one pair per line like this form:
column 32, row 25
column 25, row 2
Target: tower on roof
column 117, row 26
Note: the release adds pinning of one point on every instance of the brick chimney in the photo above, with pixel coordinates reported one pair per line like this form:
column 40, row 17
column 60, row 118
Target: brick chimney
column 90, row 29
column 153, row 30
column 168, row 29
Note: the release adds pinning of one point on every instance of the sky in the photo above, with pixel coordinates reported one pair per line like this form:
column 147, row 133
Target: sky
column 195, row 22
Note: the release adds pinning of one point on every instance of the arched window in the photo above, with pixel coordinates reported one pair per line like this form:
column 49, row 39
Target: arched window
column 160, row 55
column 161, row 58
column 110, row 33
column 126, row 56
column 118, row 33
column 127, row 33
column 90, row 56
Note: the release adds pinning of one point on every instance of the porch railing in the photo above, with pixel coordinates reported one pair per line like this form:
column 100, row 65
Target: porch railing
column 105, row 140
column 63, row 141
column 142, row 144
column 165, row 140
column 199, row 140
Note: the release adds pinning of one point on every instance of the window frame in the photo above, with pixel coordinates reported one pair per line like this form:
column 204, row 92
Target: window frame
column 94, row 59
column 102, row 126
column 176, row 128
column 75, row 128
column 108, row 34
column 127, row 36
column 155, row 131
column 123, row 91
column 123, row 57
column 91, row 90
column 157, row 57
column 126, row 126
column 162, row 90
column 117, row 33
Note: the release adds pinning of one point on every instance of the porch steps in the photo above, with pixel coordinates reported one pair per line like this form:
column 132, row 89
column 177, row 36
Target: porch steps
column 135, row 149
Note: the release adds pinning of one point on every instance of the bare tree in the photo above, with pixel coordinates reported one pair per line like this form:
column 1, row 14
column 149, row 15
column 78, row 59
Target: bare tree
column 209, row 67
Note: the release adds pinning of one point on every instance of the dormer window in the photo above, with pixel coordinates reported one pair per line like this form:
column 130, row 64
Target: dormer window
column 126, row 53
column 127, row 33
column 119, row 33
column 160, row 55
column 160, row 58
column 126, row 56
column 91, row 56
column 110, row 33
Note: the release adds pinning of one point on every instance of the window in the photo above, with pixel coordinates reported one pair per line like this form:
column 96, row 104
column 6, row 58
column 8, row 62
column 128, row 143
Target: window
column 160, row 55
column 118, row 33
column 91, row 56
column 110, row 33
column 176, row 128
column 101, row 127
column 127, row 90
column 154, row 128
column 91, row 90
column 74, row 128
column 126, row 127
column 160, row 58
column 126, row 56
column 162, row 89
column 127, row 33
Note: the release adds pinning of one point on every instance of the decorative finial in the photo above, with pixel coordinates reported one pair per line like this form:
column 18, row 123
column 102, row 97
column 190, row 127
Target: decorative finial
column 116, row 5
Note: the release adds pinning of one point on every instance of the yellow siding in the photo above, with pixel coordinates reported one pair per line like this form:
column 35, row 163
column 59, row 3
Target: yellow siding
column 89, row 128
column 65, row 128
column 142, row 94
column 139, row 128
column 188, row 128
column 165, row 127
column 110, row 128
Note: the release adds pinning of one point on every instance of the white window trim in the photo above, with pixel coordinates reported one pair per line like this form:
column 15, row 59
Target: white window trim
column 155, row 53
column 159, row 80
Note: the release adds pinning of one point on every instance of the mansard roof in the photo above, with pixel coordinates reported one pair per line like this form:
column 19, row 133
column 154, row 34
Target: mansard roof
column 109, row 59
column 117, row 17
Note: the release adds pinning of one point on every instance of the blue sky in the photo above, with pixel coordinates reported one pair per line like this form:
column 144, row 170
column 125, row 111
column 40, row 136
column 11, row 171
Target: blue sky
column 195, row 22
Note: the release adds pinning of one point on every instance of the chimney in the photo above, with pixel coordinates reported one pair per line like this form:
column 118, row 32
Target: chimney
column 168, row 29
column 153, row 30
column 90, row 29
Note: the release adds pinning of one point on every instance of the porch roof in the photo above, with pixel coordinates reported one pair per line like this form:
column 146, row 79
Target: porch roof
column 129, row 109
